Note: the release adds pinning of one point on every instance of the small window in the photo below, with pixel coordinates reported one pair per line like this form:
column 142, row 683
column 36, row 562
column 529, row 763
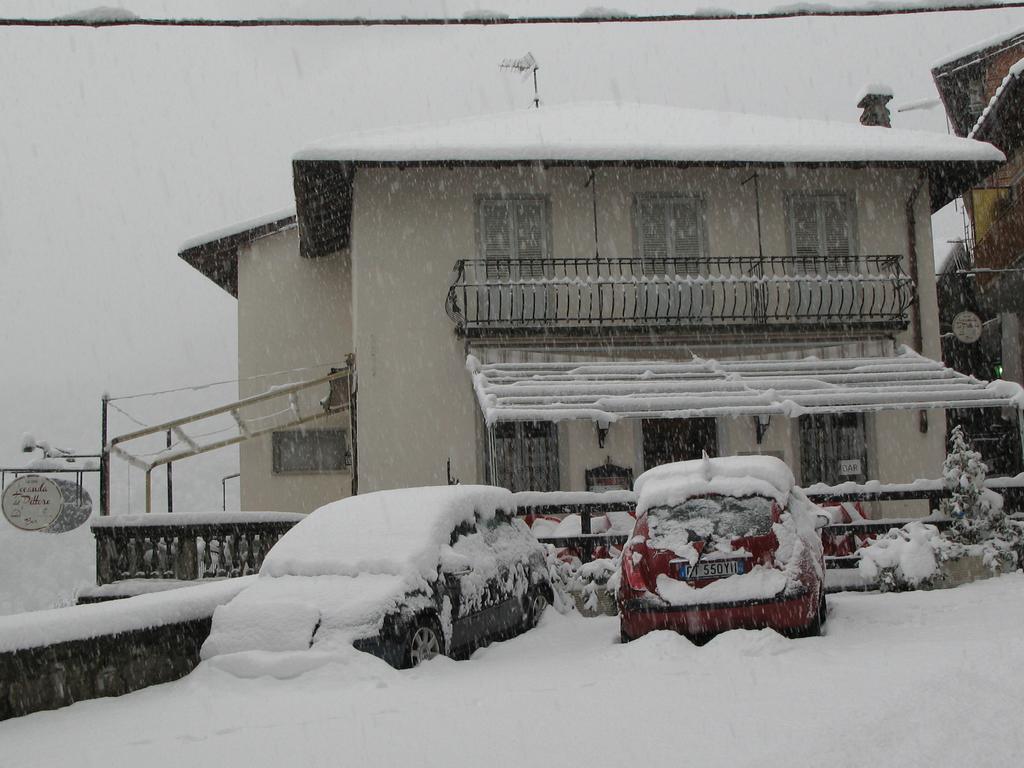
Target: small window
column 833, row 448
column 976, row 101
column 309, row 450
column 670, row 227
column 514, row 236
column 821, row 228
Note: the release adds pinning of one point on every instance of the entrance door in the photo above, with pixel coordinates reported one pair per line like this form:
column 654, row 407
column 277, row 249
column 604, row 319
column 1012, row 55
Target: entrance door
column 833, row 448
column 526, row 455
column 668, row 440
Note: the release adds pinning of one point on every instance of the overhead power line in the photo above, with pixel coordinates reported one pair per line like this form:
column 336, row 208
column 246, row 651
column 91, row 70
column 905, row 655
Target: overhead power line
column 810, row 11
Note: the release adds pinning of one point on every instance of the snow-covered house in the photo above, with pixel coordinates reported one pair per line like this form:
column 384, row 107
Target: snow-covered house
column 533, row 295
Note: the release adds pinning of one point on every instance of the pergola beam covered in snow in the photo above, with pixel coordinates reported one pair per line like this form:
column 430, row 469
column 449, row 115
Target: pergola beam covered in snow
column 609, row 391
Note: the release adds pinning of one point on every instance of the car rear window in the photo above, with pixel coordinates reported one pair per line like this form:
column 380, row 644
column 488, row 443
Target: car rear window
column 709, row 517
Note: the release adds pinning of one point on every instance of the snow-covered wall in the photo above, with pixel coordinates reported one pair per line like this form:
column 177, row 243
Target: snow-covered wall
column 53, row 658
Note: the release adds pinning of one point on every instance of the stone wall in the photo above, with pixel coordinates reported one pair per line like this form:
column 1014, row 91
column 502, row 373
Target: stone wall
column 53, row 676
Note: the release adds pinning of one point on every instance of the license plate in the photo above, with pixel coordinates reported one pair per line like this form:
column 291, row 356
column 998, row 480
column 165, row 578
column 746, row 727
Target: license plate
column 710, row 569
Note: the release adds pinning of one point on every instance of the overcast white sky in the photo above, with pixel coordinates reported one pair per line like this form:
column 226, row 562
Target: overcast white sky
column 117, row 144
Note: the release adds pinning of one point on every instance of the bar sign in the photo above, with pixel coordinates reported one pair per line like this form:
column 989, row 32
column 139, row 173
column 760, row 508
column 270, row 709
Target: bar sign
column 849, row 467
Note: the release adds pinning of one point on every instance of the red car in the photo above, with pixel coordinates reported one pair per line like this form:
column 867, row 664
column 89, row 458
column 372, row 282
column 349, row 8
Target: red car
column 722, row 544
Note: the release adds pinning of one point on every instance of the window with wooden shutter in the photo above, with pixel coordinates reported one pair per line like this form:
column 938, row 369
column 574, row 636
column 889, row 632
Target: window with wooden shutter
column 669, row 228
column 526, row 456
column 821, row 229
column 514, row 236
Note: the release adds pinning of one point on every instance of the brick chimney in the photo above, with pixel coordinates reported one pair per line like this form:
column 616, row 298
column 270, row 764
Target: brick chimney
column 873, row 99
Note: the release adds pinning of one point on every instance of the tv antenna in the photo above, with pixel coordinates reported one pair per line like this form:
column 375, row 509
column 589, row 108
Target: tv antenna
column 525, row 65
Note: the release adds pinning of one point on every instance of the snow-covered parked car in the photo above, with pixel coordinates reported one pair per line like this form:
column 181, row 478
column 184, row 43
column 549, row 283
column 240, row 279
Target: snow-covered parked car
column 722, row 544
column 405, row 575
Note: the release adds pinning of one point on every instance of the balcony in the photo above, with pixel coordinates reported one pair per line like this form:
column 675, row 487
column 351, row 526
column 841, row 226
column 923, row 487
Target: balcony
column 501, row 297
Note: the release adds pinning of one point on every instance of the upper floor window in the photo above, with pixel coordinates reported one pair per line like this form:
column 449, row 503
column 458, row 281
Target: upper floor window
column 821, row 227
column 670, row 227
column 514, row 230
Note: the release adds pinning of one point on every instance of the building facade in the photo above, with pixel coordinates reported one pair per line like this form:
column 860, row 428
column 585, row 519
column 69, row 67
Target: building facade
column 556, row 300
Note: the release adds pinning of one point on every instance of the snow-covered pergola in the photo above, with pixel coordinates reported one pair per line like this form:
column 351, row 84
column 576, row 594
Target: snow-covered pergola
column 613, row 390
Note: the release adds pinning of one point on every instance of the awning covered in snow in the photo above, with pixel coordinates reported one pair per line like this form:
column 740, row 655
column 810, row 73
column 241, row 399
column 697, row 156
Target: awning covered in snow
column 608, row 391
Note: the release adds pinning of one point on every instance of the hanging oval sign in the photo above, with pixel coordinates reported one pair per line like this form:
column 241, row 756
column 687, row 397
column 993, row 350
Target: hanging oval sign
column 32, row 502
column 967, row 327
column 37, row 503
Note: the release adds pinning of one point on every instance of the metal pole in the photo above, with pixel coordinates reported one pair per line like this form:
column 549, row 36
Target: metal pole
column 170, row 493
column 757, row 197
column 104, row 461
column 149, row 490
column 353, row 423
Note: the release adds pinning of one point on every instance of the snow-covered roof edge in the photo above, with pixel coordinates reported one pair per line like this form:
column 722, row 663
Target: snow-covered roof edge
column 977, row 48
column 215, row 253
column 614, row 133
column 1014, row 73
column 276, row 220
column 634, row 132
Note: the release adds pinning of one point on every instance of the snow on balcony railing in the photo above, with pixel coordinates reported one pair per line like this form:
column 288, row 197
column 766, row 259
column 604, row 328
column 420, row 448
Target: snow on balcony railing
column 496, row 296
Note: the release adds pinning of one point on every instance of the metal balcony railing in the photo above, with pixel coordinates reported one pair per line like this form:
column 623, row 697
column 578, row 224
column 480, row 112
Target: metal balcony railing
column 500, row 296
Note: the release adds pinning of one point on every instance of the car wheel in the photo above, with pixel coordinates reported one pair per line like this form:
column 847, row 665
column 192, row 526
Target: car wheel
column 532, row 610
column 423, row 642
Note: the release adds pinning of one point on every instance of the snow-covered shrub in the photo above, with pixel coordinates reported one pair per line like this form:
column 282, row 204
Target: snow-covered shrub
column 905, row 558
column 571, row 577
column 979, row 519
column 964, row 473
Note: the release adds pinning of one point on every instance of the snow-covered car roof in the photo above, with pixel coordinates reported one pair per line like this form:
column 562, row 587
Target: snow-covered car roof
column 399, row 533
column 671, row 484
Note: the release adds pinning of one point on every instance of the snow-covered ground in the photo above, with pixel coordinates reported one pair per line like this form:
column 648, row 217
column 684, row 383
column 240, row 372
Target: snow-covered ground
column 923, row 678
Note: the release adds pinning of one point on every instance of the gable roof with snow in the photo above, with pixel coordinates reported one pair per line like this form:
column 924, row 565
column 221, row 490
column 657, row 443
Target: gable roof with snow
column 623, row 133
column 965, row 77
column 978, row 50
column 999, row 108
column 215, row 254
column 609, row 391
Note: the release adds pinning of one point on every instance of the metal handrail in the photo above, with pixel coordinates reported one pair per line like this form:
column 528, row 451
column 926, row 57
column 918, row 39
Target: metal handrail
column 494, row 295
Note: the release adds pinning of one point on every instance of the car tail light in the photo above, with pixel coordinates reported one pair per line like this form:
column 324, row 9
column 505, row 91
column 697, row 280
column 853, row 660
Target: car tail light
column 632, row 574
